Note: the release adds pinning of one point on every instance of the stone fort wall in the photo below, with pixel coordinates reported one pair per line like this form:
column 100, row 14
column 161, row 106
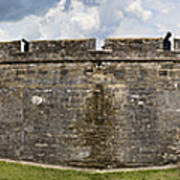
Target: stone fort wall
column 64, row 102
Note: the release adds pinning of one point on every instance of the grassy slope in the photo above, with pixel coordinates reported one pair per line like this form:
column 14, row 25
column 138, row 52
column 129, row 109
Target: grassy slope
column 12, row 171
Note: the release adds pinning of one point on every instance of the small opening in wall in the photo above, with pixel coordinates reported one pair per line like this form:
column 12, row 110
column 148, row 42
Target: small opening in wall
column 163, row 73
column 24, row 45
column 98, row 64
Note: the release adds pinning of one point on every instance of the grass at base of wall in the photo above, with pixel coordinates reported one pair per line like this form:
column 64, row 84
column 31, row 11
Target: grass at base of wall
column 12, row 171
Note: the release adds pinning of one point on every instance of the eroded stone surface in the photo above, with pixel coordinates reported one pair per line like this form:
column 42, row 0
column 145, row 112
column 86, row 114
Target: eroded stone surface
column 97, row 113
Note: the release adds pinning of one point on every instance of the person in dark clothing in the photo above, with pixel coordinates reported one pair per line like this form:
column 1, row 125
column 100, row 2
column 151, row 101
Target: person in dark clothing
column 167, row 42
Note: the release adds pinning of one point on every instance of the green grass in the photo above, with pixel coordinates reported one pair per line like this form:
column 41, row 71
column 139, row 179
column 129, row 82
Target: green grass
column 11, row 171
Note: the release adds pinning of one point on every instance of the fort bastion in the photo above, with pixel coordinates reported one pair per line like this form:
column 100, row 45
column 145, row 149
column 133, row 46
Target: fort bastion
column 66, row 103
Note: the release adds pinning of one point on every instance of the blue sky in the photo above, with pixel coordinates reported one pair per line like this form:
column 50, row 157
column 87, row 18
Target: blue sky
column 62, row 19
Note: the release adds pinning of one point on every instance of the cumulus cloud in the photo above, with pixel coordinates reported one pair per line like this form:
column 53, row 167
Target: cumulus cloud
column 110, row 18
column 79, row 22
column 136, row 8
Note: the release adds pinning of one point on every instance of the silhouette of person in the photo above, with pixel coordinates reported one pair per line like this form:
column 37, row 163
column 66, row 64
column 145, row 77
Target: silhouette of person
column 24, row 45
column 167, row 42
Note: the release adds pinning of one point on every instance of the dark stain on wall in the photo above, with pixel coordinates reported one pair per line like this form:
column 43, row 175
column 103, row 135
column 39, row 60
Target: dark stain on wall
column 97, row 128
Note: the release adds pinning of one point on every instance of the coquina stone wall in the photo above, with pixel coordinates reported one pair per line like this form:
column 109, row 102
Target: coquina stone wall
column 76, row 106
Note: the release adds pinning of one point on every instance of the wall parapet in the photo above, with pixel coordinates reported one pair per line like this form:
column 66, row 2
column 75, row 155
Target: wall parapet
column 133, row 44
column 7, row 48
column 85, row 49
column 59, row 45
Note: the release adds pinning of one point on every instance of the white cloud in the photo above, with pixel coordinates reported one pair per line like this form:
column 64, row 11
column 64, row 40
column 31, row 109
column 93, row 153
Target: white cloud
column 162, row 28
column 136, row 8
column 120, row 14
column 30, row 27
column 79, row 22
column 85, row 22
column 111, row 18
column 4, row 35
column 125, row 29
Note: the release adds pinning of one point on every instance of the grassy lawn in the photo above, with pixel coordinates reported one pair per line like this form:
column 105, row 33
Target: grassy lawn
column 11, row 171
